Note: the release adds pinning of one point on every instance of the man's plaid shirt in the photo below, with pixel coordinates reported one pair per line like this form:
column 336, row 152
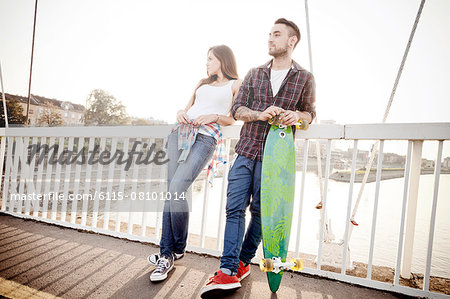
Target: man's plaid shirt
column 297, row 92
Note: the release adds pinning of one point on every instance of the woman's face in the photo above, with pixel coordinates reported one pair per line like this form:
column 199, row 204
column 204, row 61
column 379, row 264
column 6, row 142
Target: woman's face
column 212, row 64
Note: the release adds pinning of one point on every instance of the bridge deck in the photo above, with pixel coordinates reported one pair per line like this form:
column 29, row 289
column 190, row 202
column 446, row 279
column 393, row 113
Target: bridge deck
column 42, row 260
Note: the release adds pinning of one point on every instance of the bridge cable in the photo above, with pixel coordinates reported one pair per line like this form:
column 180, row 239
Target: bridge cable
column 5, row 110
column 386, row 113
column 31, row 65
column 319, row 160
column 328, row 233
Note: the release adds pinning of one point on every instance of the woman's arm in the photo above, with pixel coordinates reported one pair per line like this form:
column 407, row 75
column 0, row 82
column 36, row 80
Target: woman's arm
column 222, row 120
column 181, row 114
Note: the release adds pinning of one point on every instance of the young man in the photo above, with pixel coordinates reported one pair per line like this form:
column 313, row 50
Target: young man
column 279, row 87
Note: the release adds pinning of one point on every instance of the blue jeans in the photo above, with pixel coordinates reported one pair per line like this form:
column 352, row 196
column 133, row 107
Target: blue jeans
column 179, row 177
column 244, row 181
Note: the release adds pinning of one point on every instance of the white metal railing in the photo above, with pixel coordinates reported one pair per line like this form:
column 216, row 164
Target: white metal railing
column 95, row 178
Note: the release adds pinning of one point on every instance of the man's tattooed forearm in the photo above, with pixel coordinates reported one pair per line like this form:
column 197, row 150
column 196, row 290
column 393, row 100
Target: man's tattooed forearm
column 246, row 114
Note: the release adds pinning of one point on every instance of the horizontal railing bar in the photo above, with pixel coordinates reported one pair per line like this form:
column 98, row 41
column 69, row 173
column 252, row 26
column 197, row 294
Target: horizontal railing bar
column 391, row 131
column 322, row 132
column 332, row 131
column 122, row 131
column 413, row 131
column 314, row 131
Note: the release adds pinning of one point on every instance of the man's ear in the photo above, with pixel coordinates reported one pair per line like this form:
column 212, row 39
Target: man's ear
column 293, row 40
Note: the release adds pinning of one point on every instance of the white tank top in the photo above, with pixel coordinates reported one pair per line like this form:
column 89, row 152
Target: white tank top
column 212, row 100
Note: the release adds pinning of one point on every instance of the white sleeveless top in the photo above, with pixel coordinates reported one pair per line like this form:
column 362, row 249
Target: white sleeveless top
column 212, row 100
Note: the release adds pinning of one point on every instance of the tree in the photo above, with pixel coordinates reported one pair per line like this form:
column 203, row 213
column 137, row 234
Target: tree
column 136, row 121
column 14, row 111
column 50, row 117
column 140, row 122
column 104, row 109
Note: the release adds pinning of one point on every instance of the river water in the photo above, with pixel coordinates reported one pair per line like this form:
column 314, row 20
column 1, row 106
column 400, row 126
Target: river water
column 388, row 221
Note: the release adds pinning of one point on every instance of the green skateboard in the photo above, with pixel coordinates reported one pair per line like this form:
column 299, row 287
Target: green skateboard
column 277, row 201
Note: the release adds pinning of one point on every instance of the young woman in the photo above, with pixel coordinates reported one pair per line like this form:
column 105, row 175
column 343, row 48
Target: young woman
column 191, row 146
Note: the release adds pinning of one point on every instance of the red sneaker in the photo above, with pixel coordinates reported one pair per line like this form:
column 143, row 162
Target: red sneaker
column 220, row 283
column 243, row 271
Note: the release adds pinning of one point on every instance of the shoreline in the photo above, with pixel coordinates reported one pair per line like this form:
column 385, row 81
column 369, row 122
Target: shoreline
column 386, row 174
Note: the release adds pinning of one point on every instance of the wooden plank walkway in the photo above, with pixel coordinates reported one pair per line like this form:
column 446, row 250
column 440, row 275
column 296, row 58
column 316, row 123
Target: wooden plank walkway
column 39, row 260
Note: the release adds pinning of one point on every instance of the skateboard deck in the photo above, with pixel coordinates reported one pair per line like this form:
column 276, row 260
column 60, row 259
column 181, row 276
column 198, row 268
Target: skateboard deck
column 277, row 201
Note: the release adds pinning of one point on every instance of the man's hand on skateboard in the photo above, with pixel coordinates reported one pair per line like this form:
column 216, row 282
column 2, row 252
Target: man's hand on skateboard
column 270, row 112
column 283, row 118
column 289, row 118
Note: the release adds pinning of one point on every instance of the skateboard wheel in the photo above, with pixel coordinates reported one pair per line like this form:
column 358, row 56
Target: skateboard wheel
column 298, row 264
column 302, row 125
column 266, row 265
column 282, row 134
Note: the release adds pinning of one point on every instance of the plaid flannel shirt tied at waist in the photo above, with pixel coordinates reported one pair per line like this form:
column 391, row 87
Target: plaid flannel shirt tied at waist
column 187, row 133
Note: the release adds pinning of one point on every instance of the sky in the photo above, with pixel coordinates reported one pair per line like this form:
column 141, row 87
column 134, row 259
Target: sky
column 151, row 54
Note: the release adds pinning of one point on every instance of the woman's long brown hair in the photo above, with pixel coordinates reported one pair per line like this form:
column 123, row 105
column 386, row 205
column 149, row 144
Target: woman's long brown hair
column 227, row 66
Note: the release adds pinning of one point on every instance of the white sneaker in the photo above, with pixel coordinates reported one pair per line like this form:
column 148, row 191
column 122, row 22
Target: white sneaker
column 165, row 265
column 152, row 259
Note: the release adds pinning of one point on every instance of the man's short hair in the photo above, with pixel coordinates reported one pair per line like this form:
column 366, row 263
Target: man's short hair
column 292, row 28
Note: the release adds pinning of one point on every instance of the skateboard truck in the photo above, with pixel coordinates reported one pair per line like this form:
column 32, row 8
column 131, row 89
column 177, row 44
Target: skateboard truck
column 300, row 124
column 275, row 265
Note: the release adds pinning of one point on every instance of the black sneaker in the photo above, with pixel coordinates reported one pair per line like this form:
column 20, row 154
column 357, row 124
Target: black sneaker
column 153, row 258
column 164, row 266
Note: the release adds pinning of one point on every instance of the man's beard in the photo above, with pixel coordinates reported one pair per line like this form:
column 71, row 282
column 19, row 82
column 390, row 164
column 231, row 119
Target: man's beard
column 278, row 52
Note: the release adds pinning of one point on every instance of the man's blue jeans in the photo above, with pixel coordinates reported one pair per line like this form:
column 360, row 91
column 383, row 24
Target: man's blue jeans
column 244, row 181
column 179, row 177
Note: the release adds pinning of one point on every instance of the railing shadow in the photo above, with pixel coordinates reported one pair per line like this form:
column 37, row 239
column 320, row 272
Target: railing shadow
column 83, row 265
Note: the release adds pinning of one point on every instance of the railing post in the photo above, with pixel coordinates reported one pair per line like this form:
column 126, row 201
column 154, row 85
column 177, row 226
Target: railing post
column 412, row 207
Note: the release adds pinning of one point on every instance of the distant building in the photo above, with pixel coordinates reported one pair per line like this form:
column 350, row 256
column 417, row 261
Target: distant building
column 361, row 156
column 427, row 163
column 393, row 160
column 340, row 164
column 72, row 114
column 446, row 163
